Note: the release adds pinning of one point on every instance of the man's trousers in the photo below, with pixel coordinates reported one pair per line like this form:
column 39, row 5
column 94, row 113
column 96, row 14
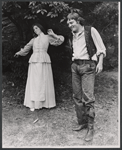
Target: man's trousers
column 83, row 79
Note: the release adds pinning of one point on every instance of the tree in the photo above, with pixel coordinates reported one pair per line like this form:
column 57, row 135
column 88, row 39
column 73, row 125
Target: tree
column 106, row 19
column 17, row 18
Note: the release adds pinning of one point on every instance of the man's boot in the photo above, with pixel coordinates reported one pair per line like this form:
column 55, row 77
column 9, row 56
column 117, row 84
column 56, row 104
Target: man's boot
column 90, row 116
column 90, row 133
column 79, row 127
column 81, row 117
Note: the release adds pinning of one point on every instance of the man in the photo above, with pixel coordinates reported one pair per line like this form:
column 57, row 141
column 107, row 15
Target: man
column 87, row 60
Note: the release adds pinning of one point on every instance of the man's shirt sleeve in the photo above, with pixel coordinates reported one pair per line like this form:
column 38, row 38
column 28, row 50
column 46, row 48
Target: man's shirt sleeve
column 98, row 42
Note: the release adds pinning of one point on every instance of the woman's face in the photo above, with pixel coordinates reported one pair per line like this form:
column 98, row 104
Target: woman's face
column 37, row 30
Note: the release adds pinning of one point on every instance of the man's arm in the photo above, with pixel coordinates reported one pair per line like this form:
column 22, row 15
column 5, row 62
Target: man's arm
column 101, row 50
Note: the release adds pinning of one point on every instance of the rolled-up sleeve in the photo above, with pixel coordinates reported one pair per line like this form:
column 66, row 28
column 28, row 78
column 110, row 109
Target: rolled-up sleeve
column 24, row 51
column 56, row 41
column 98, row 42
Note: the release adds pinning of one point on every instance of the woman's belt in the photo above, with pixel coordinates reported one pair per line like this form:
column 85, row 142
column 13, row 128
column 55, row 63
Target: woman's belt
column 39, row 51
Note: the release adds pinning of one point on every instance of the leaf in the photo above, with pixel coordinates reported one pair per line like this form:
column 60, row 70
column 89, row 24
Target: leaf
column 43, row 11
column 38, row 11
column 51, row 4
column 18, row 6
column 3, row 90
column 54, row 15
column 32, row 3
column 62, row 20
column 80, row 2
column 49, row 14
column 12, row 84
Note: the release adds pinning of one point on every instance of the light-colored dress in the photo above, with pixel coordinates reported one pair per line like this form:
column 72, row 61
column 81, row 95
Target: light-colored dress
column 39, row 90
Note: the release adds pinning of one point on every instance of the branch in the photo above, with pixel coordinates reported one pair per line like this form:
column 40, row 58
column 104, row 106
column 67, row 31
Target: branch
column 14, row 22
column 107, row 26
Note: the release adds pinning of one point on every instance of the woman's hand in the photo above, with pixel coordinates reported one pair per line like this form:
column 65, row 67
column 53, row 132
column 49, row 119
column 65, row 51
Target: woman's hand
column 16, row 55
column 50, row 32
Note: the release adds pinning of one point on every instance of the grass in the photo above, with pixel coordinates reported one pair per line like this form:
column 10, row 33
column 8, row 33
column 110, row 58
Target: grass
column 54, row 127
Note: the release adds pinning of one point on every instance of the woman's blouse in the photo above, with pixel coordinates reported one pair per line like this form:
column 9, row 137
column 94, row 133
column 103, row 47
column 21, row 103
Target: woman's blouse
column 40, row 46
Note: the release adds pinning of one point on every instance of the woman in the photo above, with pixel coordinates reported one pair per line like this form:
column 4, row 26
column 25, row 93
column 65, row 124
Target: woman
column 39, row 90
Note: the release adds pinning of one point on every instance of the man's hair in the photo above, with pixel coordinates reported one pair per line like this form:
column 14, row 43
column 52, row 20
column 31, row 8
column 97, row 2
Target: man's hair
column 76, row 17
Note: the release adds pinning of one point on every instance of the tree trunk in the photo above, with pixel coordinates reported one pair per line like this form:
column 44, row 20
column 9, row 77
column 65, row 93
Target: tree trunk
column 18, row 26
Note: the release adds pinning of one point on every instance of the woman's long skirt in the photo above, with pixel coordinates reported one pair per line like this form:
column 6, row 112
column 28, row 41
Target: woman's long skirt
column 39, row 90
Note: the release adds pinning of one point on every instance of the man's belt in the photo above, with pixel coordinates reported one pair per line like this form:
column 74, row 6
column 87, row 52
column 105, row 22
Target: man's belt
column 80, row 62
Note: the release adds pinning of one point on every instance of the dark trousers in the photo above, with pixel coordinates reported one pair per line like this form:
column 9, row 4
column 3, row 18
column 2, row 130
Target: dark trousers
column 83, row 78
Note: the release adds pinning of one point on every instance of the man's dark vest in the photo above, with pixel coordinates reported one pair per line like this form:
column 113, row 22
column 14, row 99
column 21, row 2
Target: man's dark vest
column 89, row 41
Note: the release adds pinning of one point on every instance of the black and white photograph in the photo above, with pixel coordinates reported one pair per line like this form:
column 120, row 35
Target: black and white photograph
column 60, row 74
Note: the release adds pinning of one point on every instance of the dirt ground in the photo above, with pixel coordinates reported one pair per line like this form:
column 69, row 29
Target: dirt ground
column 54, row 126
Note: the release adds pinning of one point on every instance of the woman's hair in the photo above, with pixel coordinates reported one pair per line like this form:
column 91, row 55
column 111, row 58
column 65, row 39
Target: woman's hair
column 39, row 26
column 76, row 17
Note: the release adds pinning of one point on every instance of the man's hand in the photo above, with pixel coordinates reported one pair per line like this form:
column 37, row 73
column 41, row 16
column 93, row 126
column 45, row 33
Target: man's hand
column 99, row 68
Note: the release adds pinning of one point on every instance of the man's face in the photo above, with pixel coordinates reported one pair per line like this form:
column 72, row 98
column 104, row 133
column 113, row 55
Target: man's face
column 73, row 25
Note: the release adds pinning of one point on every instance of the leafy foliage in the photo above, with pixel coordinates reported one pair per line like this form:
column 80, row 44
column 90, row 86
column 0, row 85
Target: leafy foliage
column 107, row 13
column 17, row 18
